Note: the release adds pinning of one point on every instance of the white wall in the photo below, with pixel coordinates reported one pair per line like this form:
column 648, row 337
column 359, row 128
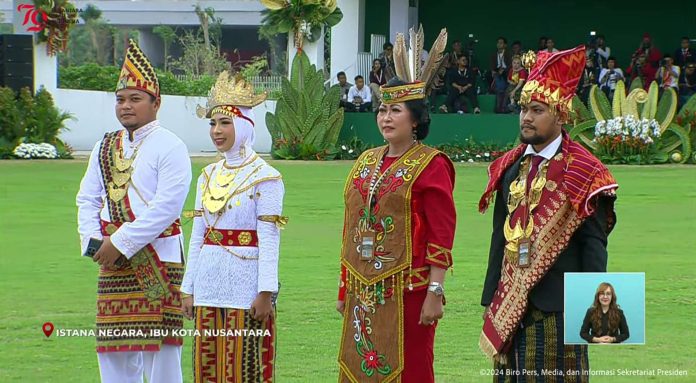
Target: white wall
column 398, row 18
column 94, row 116
column 347, row 39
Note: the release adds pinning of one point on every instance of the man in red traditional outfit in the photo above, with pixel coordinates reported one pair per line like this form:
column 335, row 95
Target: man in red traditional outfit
column 553, row 213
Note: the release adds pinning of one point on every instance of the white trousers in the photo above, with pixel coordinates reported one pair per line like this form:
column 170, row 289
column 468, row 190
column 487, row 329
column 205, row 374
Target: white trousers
column 163, row 366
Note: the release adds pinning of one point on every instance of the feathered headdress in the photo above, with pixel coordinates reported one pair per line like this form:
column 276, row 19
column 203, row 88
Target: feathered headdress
column 407, row 63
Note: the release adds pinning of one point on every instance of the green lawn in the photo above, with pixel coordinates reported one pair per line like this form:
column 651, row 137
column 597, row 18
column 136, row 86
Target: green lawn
column 43, row 278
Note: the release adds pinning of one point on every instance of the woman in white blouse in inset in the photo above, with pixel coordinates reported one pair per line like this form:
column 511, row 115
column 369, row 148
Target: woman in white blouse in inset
column 231, row 275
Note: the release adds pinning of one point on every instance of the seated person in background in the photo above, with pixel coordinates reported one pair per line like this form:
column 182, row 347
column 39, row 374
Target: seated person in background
column 589, row 78
column 640, row 68
column 500, row 61
column 345, row 87
column 359, row 97
column 387, row 61
column 452, row 57
column 608, row 78
column 668, row 74
column 602, row 53
column 439, row 87
column 542, row 43
column 515, row 80
column 604, row 321
column 652, row 53
column 516, row 48
column 687, row 83
column 684, row 54
column 461, row 81
column 550, row 45
column 377, row 79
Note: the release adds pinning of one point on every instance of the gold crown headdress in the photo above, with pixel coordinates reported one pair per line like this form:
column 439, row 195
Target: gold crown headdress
column 407, row 64
column 227, row 94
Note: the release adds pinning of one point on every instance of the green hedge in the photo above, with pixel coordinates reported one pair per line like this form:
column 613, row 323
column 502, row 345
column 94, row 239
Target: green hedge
column 104, row 78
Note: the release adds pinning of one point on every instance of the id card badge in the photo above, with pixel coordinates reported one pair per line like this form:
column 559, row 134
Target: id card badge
column 524, row 249
column 367, row 246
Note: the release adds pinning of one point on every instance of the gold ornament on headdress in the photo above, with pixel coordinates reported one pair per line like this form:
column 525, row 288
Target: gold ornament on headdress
column 528, row 59
column 229, row 92
column 407, row 63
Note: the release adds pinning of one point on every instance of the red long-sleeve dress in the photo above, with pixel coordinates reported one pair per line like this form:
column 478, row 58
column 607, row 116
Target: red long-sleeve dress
column 434, row 219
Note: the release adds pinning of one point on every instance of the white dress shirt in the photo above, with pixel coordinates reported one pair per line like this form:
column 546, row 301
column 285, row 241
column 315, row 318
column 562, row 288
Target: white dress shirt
column 608, row 79
column 363, row 93
column 161, row 175
column 216, row 277
column 548, row 152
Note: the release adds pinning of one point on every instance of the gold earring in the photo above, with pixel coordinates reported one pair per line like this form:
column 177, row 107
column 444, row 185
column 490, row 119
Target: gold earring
column 242, row 151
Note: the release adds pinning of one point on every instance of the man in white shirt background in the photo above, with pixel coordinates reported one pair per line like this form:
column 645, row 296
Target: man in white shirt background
column 130, row 198
column 602, row 52
column 668, row 74
column 609, row 76
column 359, row 97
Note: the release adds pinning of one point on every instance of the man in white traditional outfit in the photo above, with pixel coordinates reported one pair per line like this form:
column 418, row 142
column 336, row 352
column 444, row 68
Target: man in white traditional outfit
column 232, row 270
column 130, row 198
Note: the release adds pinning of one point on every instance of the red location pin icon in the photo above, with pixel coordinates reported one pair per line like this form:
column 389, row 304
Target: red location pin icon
column 47, row 329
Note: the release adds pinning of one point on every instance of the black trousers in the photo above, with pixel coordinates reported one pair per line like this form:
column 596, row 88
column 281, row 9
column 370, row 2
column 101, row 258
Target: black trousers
column 454, row 100
column 364, row 107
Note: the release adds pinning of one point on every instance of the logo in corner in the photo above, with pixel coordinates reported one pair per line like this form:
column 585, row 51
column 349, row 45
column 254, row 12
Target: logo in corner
column 36, row 17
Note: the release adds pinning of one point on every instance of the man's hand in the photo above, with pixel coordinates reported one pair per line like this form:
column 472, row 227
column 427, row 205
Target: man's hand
column 187, row 307
column 261, row 308
column 107, row 255
column 340, row 306
column 432, row 310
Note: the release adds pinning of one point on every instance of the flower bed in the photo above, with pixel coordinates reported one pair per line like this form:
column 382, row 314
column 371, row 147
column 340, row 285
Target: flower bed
column 29, row 151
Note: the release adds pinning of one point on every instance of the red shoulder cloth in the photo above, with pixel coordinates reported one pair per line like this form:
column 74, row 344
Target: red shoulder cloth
column 584, row 178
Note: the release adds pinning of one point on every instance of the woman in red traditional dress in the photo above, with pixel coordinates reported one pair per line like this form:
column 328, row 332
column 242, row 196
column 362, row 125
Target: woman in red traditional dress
column 397, row 240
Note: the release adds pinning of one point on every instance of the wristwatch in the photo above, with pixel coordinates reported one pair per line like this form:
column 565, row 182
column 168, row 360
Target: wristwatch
column 436, row 288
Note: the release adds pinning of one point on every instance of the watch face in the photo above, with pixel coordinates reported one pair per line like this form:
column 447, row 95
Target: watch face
column 437, row 290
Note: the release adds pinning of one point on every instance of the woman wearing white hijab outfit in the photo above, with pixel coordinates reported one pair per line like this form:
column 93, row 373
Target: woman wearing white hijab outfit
column 232, row 268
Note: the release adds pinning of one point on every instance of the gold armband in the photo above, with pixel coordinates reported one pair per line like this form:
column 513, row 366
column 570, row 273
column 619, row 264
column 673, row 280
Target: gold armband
column 192, row 213
column 279, row 220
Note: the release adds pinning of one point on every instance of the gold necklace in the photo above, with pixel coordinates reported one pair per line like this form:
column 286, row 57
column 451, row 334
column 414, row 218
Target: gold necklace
column 215, row 197
column 531, row 199
column 122, row 170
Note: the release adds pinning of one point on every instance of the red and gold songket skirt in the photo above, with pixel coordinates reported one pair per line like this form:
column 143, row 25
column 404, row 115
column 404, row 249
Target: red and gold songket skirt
column 221, row 357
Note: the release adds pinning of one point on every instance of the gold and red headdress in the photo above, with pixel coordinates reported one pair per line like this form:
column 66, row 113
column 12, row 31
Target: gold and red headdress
column 407, row 63
column 137, row 72
column 553, row 78
column 229, row 94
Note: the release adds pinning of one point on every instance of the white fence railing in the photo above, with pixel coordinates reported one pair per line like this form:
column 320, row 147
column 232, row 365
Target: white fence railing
column 377, row 44
column 269, row 83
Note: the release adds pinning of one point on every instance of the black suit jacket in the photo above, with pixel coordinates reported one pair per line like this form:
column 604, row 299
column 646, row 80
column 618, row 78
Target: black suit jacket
column 586, row 251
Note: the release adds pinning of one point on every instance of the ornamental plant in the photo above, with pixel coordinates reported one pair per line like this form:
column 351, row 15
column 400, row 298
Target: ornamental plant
column 30, row 119
column 59, row 18
column 672, row 142
column 626, row 140
column 307, row 118
column 304, row 18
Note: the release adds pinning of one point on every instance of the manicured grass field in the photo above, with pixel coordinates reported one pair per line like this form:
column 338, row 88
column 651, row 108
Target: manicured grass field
column 43, row 278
